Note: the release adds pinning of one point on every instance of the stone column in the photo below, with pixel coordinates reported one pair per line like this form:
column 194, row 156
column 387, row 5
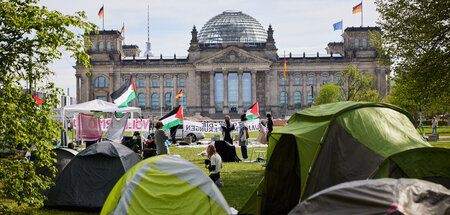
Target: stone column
column 148, row 95
column 304, row 90
column 175, row 91
column 211, row 92
column 161, row 92
column 253, row 86
column 78, row 88
column 225, row 93
column 240, row 95
column 198, row 90
column 90, row 91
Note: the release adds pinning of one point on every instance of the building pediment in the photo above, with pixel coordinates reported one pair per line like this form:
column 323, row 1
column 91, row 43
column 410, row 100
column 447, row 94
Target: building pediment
column 233, row 55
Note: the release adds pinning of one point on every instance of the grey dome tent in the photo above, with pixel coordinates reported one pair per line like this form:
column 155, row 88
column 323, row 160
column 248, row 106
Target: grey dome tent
column 327, row 145
column 380, row 196
column 89, row 177
column 63, row 157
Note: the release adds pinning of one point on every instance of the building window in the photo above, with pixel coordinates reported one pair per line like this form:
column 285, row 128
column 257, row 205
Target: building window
column 218, row 91
column 310, row 98
column 154, row 82
column 168, row 101
column 100, row 46
column 182, row 101
column 233, row 91
column 298, row 81
column 108, row 45
column 155, row 101
column 356, row 43
column 181, row 82
column 141, row 82
column 168, row 82
column 141, row 100
column 246, row 90
column 283, row 99
column 364, row 42
column 94, row 45
column 297, row 99
column 311, row 81
column 324, row 80
column 101, row 82
column 101, row 98
column 283, row 81
column 338, row 79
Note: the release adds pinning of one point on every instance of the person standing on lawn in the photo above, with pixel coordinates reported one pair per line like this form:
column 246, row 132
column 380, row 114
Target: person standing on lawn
column 243, row 136
column 227, row 128
column 434, row 125
column 269, row 125
column 160, row 138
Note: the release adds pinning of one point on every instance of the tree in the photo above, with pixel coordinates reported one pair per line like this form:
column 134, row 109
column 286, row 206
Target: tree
column 416, row 37
column 356, row 86
column 31, row 38
column 328, row 93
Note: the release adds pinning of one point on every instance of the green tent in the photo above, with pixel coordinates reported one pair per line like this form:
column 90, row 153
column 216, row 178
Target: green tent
column 165, row 184
column 431, row 164
column 326, row 145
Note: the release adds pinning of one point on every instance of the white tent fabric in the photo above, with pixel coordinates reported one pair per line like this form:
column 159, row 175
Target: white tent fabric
column 98, row 106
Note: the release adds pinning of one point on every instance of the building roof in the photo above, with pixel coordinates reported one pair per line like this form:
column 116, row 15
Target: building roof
column 362, row 29
column 232, row 27
column 105, row 32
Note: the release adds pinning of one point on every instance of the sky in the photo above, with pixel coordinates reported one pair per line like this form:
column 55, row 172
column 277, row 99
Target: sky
column 299, row 25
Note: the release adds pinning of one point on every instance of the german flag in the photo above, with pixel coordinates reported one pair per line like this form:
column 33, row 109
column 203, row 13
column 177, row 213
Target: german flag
column 100, row 13
column 357, row 8
column 179, row 94
column 121, row 31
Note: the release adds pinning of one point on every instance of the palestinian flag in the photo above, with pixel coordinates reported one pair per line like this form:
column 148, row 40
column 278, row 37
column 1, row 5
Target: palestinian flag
column 38, row 100
column 253, row 112
column 173, row 118
column 124, row 94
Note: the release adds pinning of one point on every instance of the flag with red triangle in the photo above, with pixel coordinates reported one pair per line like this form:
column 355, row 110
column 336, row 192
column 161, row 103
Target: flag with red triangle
column 253, row 111
column 38, row 100
column 173, row 118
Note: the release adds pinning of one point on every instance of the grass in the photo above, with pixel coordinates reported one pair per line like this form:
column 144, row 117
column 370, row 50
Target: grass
column 240, row 179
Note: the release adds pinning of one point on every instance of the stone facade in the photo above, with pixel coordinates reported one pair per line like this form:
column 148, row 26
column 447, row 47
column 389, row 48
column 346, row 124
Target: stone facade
column 258, row 66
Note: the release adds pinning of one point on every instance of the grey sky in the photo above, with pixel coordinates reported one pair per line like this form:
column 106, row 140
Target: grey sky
column 299, row 26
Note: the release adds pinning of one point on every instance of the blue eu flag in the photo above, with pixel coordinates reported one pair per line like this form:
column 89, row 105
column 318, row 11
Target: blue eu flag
column 337, row 26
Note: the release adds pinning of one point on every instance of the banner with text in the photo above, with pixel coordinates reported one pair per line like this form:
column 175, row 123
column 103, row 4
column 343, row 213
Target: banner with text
column 132, row 124
column 215, row 127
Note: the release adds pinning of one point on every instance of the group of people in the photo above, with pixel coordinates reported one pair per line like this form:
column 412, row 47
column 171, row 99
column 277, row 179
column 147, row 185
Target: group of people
column 228, row 127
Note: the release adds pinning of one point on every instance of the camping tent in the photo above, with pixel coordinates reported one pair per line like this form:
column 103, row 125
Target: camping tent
column 326, row 145
column 380, row 196
column 98, row 106
column 86, row 181
column 431, row 164
column 165, row 184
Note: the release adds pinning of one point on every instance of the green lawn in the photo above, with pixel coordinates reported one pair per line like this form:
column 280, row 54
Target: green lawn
column 240, row 179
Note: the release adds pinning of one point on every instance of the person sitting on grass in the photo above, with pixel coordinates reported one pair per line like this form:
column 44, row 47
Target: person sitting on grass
column 214, row 165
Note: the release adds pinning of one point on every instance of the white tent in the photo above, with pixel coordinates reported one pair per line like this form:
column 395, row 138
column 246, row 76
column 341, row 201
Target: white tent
column 93, row 106
column 98, row 106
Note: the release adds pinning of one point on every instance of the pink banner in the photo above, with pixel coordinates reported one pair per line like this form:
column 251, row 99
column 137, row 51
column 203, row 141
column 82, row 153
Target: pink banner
column 133, row 124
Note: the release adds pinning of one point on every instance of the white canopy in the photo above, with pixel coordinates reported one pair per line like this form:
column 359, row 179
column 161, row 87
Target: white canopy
column 98, row 106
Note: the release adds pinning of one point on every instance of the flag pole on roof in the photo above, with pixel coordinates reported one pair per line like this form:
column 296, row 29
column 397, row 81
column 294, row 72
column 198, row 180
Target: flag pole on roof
column 125, row 94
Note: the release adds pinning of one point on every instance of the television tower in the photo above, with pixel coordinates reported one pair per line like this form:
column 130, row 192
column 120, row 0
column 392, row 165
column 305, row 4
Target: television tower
column 148, row 52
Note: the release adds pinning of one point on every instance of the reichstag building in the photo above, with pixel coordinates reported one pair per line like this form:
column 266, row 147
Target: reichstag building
column 232, row 63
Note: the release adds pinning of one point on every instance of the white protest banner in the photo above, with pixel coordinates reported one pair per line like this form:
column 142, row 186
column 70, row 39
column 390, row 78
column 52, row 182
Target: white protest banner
column 132, row 124
column 215, row 127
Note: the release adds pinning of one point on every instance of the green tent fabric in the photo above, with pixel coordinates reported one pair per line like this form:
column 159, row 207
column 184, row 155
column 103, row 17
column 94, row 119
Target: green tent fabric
column 165, row 184
column 431, row 164
column 326, row 145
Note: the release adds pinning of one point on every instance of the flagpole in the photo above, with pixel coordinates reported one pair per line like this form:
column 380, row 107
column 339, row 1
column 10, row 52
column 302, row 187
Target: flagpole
column 342, row 27
column 362, row 13
column 123, row 34
column 285, row 91
column 103, row 17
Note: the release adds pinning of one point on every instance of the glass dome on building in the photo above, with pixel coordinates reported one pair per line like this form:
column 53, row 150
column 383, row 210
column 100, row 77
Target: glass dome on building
column 232, row 27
